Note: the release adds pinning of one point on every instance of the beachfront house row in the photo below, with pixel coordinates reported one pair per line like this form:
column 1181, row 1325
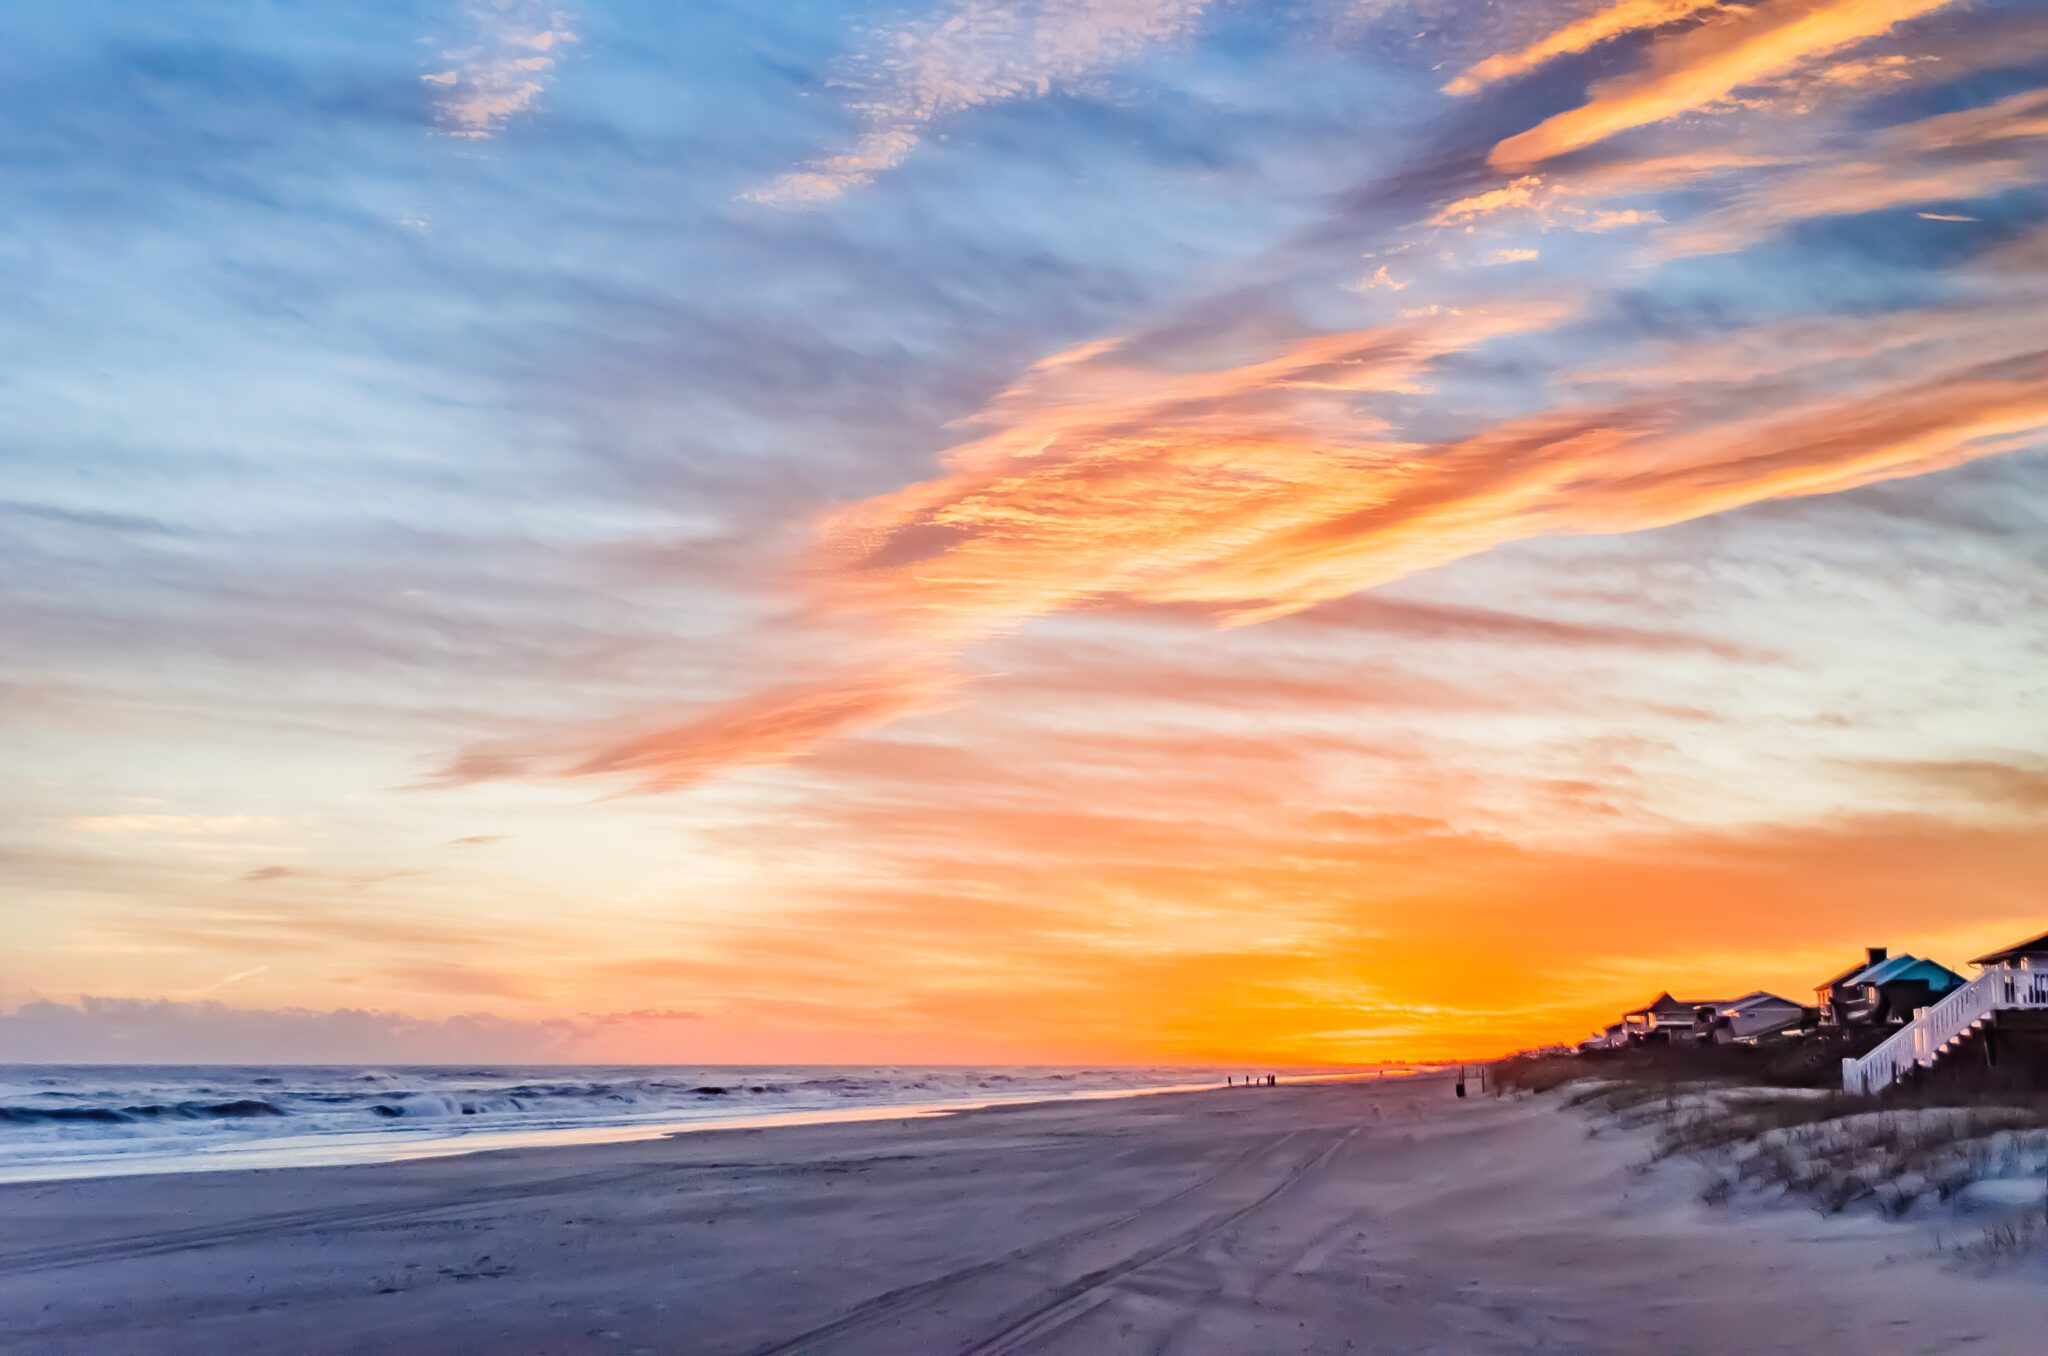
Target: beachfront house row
column 1884, row 990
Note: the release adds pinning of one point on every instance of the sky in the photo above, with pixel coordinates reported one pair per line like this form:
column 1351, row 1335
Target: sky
column 1086, row 531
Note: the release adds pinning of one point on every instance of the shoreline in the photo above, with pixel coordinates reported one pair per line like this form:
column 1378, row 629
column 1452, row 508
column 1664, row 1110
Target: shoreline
column 330, row 1149
column 1380, row 1216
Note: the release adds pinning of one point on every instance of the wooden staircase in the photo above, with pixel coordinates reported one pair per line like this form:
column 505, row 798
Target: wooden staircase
column 1969, row 1017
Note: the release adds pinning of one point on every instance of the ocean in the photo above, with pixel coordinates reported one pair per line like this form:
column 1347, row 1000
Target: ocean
column 67, row 1121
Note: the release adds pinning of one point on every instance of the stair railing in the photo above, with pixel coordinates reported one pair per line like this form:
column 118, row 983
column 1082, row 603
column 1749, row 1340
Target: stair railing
column 1920, row 1042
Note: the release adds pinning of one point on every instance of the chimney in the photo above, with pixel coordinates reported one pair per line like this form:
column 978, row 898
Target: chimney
column 1877, row 953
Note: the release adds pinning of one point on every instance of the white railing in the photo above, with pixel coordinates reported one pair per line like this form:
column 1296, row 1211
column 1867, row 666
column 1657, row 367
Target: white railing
column 1920, row 1042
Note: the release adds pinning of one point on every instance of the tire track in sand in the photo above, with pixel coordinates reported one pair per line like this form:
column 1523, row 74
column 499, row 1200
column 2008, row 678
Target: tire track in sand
column 1067, row 1300
column 1081, row 1296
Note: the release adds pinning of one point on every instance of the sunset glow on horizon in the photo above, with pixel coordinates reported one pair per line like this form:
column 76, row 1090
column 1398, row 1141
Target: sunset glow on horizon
column 1096, row 531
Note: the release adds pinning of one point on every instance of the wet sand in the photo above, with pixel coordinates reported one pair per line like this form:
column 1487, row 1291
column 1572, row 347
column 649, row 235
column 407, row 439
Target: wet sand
column 1355, row 1217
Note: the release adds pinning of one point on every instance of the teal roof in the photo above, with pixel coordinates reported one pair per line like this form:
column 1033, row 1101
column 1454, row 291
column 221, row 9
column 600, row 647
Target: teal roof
column 1907, row 967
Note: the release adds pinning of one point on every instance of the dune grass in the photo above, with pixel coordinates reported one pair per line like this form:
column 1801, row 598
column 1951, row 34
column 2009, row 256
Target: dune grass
column 1903, row 1156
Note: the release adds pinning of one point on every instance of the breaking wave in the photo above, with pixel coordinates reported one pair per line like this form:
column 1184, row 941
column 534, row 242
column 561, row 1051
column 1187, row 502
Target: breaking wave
column 164, row 1114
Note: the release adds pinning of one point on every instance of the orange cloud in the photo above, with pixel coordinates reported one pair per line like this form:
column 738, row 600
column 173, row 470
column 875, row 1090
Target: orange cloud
column 1267, row 488
column 1627, row 16
column 1552, row 201
column 764, row 728
column 1523, row 192
column 1101, row 478
column 1260, row 489
column 770, row 727
column 1697, row 69
column 1828, row 446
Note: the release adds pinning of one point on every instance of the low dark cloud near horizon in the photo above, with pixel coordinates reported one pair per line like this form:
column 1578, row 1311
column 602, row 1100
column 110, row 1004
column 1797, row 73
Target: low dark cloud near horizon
column 100, row 1030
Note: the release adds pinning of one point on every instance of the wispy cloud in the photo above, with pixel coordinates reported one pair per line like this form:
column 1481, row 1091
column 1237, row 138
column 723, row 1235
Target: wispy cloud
column 1271, row 486
column 972, row 53
column 1697, row 69
column 501, row 68
column 172, row 826
column 1275, row 484
column 767, row 727
column 354, row 880
column 1104, row 477
column 1953, row 156
column 224, row 981
column 2015, row 788
column 1603, row 25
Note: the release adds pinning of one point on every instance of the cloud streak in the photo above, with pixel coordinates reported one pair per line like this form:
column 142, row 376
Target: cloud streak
column 172, row 825
column 1697, row 69
column 763, row 728
column 1582, row 34
column 1273, row 485
column 1949, row 157
column 970, row 54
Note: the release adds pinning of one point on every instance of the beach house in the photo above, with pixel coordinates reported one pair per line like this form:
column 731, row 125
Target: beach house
column 1612, row 1037
column 1885, row 990
column 1665, row 1019
column 2032, row 954
column 1758, row 1016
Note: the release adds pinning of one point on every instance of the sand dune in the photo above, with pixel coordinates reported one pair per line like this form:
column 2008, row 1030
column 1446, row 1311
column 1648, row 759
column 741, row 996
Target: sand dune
column 1336, row 1218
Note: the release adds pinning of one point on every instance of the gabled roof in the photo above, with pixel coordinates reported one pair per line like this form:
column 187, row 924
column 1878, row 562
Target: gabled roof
column 2033, row 946
column 1759, row 999
column 1664, row 1005
column 1899, row 967
column 1886, row 969
column 1845, row 976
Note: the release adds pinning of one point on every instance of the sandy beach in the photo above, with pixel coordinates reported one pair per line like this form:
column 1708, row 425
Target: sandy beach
column 1359, row 1217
